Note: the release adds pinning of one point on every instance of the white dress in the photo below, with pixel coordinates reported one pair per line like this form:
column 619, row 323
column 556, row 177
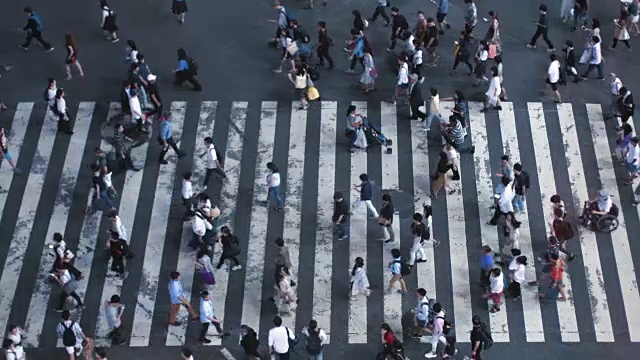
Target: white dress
column 367, row 78
column 360, row 283
column 494, row 91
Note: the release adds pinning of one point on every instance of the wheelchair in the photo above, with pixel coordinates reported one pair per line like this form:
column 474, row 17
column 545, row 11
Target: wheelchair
column 398, row 354
column 602, row 223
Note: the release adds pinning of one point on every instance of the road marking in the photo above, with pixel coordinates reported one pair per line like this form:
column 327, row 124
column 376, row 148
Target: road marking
column 227, row 355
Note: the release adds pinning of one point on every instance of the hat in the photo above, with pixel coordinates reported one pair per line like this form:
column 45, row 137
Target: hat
column 151, row 77
column 603, row 194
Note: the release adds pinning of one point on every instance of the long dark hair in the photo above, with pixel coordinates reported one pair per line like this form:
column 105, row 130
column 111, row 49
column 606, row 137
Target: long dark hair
column 359, row 263
column 70, row 40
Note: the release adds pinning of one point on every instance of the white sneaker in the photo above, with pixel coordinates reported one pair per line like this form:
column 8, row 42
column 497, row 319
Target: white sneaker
column 237, row 267
column 430, row 355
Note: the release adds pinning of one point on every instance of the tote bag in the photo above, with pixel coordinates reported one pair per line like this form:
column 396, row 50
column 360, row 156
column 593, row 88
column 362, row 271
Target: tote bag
column 207, row 277
column 361, row 140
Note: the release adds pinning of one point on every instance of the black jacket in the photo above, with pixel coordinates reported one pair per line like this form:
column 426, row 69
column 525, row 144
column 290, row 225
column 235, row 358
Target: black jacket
column 570, row 57
column 399, row 21
column 415, row 96
column 323, row 39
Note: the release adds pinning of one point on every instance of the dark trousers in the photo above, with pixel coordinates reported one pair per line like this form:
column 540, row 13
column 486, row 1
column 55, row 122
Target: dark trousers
column 466, row 61
column 64, row 296
column 394, row 39
column 283, row 356
column 183, row 76
column 117, row 263
column 540, row 31
column 323, row 53
column 116, row 335
column 514, row 289
column 69, row 266
column 125, row 163
column 615, row 43
column 415, row 110
column 38, row 36
column 157, row 109
column 173, row 145
column 380, row 11
column 354, row 60
column 205, row 328
column 64, row 126
column 217, row 171
column 496, row 216
column 417, row 69
column 224, row 257
column 594, row 66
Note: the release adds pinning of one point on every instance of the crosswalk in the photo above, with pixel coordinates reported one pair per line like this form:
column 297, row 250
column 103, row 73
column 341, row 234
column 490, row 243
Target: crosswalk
column 565, row 148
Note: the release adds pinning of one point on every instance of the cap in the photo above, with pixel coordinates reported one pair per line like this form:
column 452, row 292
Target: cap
column 603, row 194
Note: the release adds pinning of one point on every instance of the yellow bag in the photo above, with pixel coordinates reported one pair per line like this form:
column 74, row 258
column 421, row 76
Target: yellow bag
column 313, row 93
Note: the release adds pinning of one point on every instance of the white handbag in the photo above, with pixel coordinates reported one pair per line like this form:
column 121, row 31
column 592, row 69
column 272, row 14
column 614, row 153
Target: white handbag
column 361, row 139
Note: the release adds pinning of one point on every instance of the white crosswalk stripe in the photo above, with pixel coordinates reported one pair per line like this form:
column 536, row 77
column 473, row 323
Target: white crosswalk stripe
column 310, row 149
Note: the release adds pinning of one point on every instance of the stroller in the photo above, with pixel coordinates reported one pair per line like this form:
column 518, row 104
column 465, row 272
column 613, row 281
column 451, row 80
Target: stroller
column 375, row 137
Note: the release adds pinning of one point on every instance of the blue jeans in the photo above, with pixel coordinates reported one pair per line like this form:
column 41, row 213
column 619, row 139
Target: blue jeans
column 430, row 118
column 342, row 229
column 316, row 357
column 594, row 66
column 274, row 192
column 519, row 203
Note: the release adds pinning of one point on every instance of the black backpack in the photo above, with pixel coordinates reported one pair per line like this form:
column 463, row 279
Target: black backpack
column 405, row 268
column 314, row 344
column 447, row 326
column 68, row 336
column 193, row 66
column 488, row 340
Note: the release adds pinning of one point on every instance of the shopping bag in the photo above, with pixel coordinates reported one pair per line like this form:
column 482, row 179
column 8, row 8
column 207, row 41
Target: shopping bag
column 292, row 48
column 493, row 51
column 361, row 139
column 585, row 57
column 207, row 277
column 313, row 93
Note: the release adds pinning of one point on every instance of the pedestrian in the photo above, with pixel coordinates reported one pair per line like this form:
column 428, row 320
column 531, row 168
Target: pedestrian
column 324, row 45
column 624, row 134
column 570, row 65
column 153, row 93
column 633, row 160
column 68, row 288
column 397, row 268
column 562, row 231
column 4, row 151
column 122, row 150
column 594, row 59
column 580, row 9
column 16, row 335
column 462, row 52
column 340, row 217
column 417, row 60
column 359, row 283
column 186, row 71
column 34, row 30
column 177, row 297
column 136, row 111
column 249, row 342
column 202, row 230
column 517, row 268
column 470, row 16
column 492, row 96
column 454, row 133
column 542, row 28
column 60, row 110
column 273, row 186
column 230, row 248
column 512, row 233
column 186, row 353
column 214, row 163
column 131, row 53
column 399, row 25
column 117, row 253
column 500, row 67
column 166, row 138
column 355, row 122
column 63, row 257
column 108, row 23
column 553, row 76
column 402, row 79
column 441, row 15
column 521, row 185
column 300, row 79
column 380, row 10
column 431, row 43
column 440, row 178
column 113, row 311
column 481, row 57
column 621, row 30
column 370, row 73
column 437, row 331
column 385, row 220
column 496, row 287
column 366, row 195
column 566, row 10
column 486, row 265
column 556, row 283
column 285, row 297
column 434, row 108
column 207, row 317
column 616, row 85
column 179, row 9
column 478, row 338
column 71, row 334
column 315, row 338
column 72, row 56
column 279, row 339
column 493, row 33
column 420, row 232
column 283, row 258
column 505, row 201
column 359, row 44
column 415, row 99
column 139, row 83
column 13, row 351
column 634, row 16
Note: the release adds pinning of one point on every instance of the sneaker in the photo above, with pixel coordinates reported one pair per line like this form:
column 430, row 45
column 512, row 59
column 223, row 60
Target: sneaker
column 390, row 50
column 237, row 267
column 551, row 50
column 388, row 241
column 115, row 40
column 49, row 49
column 430, row 355
column 343, row 237
column 205, row 341
column 416, row 336
column 25, row 48
column 531, row 46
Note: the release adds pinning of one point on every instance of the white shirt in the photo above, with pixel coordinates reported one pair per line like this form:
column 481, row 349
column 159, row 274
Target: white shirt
column 506, row 198
column 279, row 340
column 452, row 157
column 187, row 189
column 554, row 72
column 434, row 105
column 500, row 73
column 64, row 277
column 211, row 157
column 273, row 180
column 51, row 95
column 61, row 105
column 518, row 271
column 116, row 225
column 496, row 283
column 61, row 249
column 616, row 84
column 403, row 75
column 136, row 109
column 199, row 226
column 410, row 47
column 417, row 57
column 483, row 55
column 596, row 54
column 494, row 88
column 633, row 153
column 206, row 311
column 16, row 354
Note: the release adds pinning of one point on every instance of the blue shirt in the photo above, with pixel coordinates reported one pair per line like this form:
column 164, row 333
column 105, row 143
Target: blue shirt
column 396, row 266
column 175, row 291
column 166, row 129
column 183, row 65
column 487, row 261
column 444, row 7
column 365, row 191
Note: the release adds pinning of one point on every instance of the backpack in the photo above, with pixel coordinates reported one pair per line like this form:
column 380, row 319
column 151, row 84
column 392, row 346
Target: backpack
column 488, row 340
column 193, row 66
column 110, row 19
column 405, row 268
column 38, row 21
column 314, row 343
column 218, row 155
column 68, row 335
column 447, row 326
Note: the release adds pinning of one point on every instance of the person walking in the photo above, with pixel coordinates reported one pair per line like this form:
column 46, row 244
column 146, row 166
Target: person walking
column 4, row 151
column 71, row 335
column 492, row 96
column 366, row 195
column 280, row 338
column 595, row 59
column 315, row 338
column 122, row 150
column 496, row 287
column 381, row 11
column 273, row 186
column 108, row 23
column 113, row 311
column 324, row 44
column 396, row 267
column 340, row 216
column 542, row 29
column 300, row 80
column 214, row 163
column 166, row 138
column 399, row 25
column 370, row 73
column 34, row 30
column 72, row 56
column 179, row 9
column 60, row 110
column 621, row 30
column 69, row 286
column 177, row 297
column 230, row 248
column 208, row 318
column 420, row 232
column 359, row 284
column 415, row 99
column 386, row 219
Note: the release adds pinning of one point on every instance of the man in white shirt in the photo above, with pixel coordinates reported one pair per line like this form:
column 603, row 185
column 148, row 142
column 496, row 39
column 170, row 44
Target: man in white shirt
column 12, row 352
column 402, row 82
column 201, row 230
column 207, row 317
column 633, row 158
column 505, row 200
column 279, row 337
column 496, row 287
column 517, row 271
column 187, row 194
column 553, row 76
column 136, row 110
column 213, row 163
column 616, row 85
column 71, row 334
column 595, row 61
column 437, row 332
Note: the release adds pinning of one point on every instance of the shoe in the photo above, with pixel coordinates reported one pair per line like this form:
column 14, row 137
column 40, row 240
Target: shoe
column 177, row 323
column 430, row 355
column 49, row 49
column 388, row 241
column 25, row 48
column 343, row 237
column 237, row 267
column 115, row 40
column 390, row 50
column 421, row 261
column 120, row 342
column 551, row 50
column 416, row 336
column 58, row 310
column 205, row 341
column 531, row 46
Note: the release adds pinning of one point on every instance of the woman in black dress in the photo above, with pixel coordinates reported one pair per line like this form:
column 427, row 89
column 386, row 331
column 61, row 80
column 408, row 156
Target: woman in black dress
column 108, row 23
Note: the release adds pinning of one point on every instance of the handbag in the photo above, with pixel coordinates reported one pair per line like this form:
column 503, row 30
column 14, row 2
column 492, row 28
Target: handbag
column 313, row 93
column 70, row 286
column 373, row 73
column 207, row 277
column 361, row 140
column 292, row 343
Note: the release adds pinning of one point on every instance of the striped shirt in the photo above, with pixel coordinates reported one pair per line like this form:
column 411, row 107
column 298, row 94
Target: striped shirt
column 457, row 133
column 118, row 141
